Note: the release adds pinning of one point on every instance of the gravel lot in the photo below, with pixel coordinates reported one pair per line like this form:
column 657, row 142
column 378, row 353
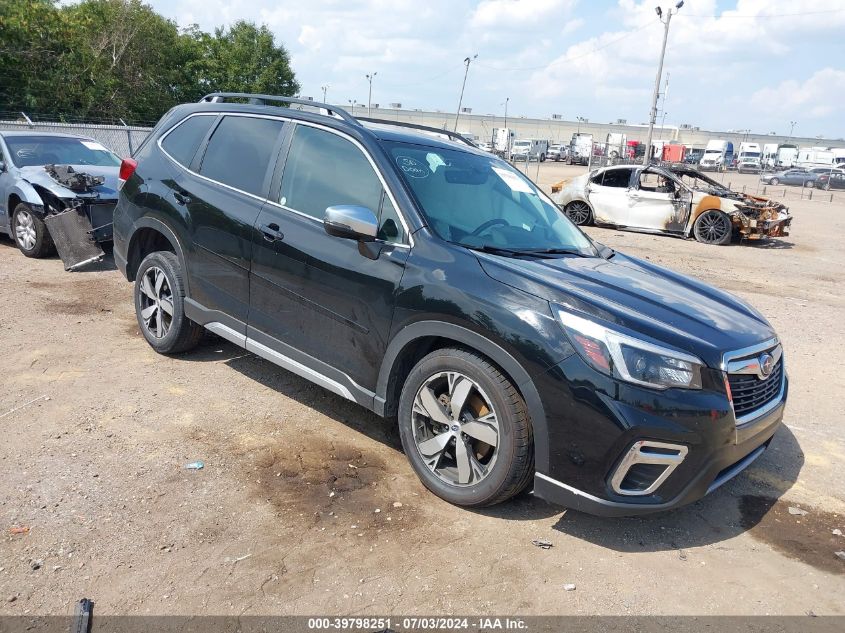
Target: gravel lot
column 93, row 464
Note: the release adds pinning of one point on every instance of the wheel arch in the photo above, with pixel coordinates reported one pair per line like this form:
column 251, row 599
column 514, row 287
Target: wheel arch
column 149, row 235
column 23, row 192
column 414, row 341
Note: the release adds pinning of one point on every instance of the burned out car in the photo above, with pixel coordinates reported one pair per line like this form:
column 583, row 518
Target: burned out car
column 57, row 192
column 678, row 201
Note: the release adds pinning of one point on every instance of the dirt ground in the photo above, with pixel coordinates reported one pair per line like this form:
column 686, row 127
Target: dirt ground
column 306, row 504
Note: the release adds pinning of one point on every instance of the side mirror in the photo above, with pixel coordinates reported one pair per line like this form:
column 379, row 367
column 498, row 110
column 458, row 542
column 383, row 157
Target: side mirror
column 351, row 222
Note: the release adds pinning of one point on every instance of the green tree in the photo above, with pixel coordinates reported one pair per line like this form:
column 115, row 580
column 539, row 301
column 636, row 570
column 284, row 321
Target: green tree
column 120, row 59
column 244, row 58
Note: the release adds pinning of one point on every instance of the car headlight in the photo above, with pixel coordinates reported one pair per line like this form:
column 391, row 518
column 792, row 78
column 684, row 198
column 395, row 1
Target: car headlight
column 628, row 358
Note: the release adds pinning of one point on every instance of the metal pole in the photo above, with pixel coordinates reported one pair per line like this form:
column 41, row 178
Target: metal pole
column 128, row 136
column 653, row 117
column 370, row 97
column 467, row 61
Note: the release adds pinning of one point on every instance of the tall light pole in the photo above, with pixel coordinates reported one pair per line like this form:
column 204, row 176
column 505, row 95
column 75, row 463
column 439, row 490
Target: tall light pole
column 370, row 98
column 651, row 120
column 506, row 110
column 467, row 62
column 352, row 102
column 580, row 121
column 792, row 125
column 324, row 89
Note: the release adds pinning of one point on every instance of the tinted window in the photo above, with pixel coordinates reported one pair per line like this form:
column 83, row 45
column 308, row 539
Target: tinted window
column 182, row 142
column 324, row 169
column 617, row 178
column 239, row 152
column 390, row 226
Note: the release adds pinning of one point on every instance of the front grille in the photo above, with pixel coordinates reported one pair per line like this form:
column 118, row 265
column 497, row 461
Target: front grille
column 750, row 393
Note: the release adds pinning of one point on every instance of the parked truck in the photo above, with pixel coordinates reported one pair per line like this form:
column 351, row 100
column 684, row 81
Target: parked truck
column 580, row 149
column 749, row 158
column 769, row 156
column 615, row 145
column 503, row 138
column 787, row 156
column 814, row 157
column 717, row 155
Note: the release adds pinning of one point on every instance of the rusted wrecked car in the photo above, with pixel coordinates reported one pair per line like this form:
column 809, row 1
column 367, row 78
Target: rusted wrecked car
column 677, row 201
column 57, row 193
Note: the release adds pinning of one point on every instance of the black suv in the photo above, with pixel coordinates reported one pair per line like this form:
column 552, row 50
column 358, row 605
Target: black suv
column 431, row 282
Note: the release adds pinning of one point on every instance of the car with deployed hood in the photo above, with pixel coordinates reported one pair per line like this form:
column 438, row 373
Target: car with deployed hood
column 436, row 285
column 672, row 200
column 44, row 174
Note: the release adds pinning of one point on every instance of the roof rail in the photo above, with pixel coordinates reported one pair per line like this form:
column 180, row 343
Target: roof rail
column 259, row 99
column 451, row 135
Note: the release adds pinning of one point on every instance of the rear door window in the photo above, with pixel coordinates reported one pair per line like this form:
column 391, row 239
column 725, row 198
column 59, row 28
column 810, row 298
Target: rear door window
column 240, row 151
column 617, row 178
column 184, row 140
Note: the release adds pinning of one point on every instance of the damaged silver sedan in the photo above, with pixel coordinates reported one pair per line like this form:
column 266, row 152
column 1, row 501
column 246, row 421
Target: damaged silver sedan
column 680, row 201
column 57, row 193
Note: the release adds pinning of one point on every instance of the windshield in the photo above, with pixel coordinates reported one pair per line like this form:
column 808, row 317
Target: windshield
column 750, row 156
column 522, row 144
column 482, row 202
column 28, row 151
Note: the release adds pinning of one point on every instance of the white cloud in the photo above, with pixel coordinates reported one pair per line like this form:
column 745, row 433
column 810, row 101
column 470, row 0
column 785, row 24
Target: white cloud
column 595, row 59
column 819, row 96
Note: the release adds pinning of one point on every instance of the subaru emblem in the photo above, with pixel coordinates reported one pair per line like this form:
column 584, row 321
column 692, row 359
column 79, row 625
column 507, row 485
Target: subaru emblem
column 767, row 364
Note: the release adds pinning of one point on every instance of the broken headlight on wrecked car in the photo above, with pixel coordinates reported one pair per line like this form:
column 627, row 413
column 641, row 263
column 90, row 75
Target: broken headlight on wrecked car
column 628, row 358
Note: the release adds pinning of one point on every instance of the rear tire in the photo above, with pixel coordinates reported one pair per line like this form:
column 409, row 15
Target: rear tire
column 443, row 445
column 160, row 305
column 713, row 227
column 579, row 212
column 30, row 233
column 774, row 182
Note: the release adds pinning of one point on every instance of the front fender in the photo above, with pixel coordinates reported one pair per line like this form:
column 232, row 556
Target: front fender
column 484, row 345
column 25, row 192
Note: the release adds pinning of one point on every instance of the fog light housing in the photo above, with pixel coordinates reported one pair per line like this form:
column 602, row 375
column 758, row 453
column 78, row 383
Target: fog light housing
column 645, row 466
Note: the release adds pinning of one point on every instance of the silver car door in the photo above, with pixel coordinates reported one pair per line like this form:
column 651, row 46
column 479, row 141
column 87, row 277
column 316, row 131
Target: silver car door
column 657, row 203
column 607, row 192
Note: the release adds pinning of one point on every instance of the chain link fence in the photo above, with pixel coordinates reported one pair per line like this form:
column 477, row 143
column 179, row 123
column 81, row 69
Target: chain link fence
column 123, row 140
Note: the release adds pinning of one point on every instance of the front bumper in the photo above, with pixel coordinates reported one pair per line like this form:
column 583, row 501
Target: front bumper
column 587, row 443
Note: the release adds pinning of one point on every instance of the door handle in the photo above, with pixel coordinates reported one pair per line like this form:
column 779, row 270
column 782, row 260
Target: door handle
column 182, row 198
column 272, row 233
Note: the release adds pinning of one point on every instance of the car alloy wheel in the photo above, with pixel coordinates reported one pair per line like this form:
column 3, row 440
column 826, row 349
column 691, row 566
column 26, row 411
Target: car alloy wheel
column 455, row 428
column 25, row 229
column 774, row 181
column 156, row 302
column 714, row 227
column 578, row 212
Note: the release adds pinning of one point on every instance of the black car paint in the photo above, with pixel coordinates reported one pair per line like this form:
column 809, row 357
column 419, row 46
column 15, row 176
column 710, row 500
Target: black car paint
column 351, row 318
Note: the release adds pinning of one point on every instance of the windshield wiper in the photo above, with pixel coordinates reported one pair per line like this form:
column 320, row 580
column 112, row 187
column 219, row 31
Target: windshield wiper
column 526, row 252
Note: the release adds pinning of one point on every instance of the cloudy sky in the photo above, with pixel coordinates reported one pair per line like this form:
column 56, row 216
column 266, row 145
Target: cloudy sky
column 738, row 64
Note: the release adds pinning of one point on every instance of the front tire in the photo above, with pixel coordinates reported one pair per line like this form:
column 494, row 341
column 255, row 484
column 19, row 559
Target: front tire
column 465, row 429
column 30, row 233
column 774, row 182
column 713, row 227
column 159, row 305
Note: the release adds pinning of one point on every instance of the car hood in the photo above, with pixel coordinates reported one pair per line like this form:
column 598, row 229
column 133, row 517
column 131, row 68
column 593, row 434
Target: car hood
column 36, row 175
column 638, row 297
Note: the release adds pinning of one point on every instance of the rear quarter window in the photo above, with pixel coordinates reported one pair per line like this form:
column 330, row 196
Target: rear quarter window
column 183, row 141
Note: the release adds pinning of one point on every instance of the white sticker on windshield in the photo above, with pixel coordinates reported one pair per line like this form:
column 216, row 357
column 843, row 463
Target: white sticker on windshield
column 412, row 167
column 512, row 180
column 94, row 145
